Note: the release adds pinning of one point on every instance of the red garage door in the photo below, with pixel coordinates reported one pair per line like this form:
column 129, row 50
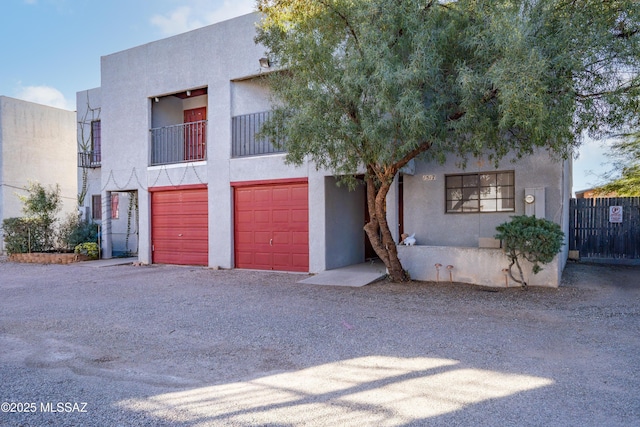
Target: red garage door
column 272, row 226
column 179, row 226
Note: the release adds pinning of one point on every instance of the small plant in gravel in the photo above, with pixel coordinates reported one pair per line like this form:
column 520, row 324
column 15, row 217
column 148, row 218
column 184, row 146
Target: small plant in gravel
column 536, row 240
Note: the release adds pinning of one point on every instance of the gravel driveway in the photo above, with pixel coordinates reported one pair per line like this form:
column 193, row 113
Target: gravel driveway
column 187, row 346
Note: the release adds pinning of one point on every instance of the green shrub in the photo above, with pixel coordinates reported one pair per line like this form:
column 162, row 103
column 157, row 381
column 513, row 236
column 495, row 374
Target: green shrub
column 40, row 206
column 527, row 237
column 88, row 248
column 23, row 235
column 73, row 231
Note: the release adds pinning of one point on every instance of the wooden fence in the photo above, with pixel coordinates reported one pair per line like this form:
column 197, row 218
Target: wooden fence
column 605, row 227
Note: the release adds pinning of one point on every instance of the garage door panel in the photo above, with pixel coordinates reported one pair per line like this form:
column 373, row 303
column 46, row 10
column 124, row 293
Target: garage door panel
column 193, row 209
column 300, row 193
column 244, row 237
column 300, row 262
column 281, row 194
column 300, row 238
column 281, row 238
column 281, row 216
column 300, row 216
column 262, row 216
column 261, row 237
column 193, row 236
column 262, row 195
column 262, row 258
column 279, row 211
column 244, row 217
column 244, row 257
column 179, row 226
column 281, row 260
column 167, row 209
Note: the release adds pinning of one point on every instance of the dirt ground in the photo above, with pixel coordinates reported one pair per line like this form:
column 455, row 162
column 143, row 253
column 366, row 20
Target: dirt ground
column 188, row 346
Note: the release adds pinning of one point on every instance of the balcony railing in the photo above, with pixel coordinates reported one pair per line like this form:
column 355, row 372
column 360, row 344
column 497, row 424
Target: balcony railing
column 243, row 136
column 181, row 143
column 89, row 159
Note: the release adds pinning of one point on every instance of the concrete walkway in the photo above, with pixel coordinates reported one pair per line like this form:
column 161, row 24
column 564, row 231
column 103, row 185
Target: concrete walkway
column 356, row 275
column 107, row 262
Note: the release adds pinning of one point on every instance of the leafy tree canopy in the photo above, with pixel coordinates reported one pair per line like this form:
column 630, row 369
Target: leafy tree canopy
column 624, row 179
column 372, row 84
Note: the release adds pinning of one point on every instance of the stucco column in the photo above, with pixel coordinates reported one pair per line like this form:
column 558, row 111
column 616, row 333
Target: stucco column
column 144, row 227
column 317, row 222
column 393, row 218
column 107, row 247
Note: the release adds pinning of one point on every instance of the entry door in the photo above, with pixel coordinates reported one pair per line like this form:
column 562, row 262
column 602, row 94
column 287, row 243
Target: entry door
column 194, row 133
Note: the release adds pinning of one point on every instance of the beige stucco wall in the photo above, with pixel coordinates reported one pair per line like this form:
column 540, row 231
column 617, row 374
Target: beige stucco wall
column 37, row 143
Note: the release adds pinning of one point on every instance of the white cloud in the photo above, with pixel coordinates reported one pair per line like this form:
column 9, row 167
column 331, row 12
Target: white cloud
column 44, row 95
column 199, row 14
column 177, row 21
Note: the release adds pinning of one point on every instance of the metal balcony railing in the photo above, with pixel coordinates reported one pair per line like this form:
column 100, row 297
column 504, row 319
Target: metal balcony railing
column 89, row 159
column 243, row 136
column 181, row 143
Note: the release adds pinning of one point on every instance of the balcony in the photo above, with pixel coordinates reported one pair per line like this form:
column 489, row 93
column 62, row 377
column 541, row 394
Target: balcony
column 180, row 143
column 89, row 159
column 243, row 136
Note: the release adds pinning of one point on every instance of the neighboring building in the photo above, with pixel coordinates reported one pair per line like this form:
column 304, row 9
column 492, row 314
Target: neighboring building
column 178, row 119
column 590, row 193
column 37, row 144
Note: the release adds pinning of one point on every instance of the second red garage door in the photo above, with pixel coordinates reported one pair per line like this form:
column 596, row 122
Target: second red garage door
column 179, row 226
column 272, row 226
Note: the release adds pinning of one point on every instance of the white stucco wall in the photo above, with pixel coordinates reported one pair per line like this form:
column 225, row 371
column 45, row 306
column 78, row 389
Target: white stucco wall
column 37, row 143
column 471, row 265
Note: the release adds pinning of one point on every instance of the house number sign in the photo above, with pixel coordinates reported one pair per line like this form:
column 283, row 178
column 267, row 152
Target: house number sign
column 615, row 214
column 428, row 177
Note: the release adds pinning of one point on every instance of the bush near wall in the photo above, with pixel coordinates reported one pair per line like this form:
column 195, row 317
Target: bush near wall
column 23, row 235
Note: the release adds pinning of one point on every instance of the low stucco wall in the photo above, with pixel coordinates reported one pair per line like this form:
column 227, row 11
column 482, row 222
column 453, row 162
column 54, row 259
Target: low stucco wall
column 471, row 265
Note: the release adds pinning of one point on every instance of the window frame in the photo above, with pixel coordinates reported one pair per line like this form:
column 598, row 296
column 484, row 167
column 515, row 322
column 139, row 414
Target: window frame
column 96, row 141
column 478, row 186
column 96, row 200
column 115, row 206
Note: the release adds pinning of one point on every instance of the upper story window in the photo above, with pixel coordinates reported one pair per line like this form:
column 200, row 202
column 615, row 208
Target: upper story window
column 96, row 139
column 480, row 192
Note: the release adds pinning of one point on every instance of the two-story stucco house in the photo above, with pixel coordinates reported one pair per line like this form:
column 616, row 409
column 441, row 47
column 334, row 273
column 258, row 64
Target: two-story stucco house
column 176, row 135
column 37, row 144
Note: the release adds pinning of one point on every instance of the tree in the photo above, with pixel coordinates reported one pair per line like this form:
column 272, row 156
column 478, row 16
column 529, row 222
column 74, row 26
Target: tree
column 40, row 206
column 536, row 240
column 372, row 84
column 624, row 179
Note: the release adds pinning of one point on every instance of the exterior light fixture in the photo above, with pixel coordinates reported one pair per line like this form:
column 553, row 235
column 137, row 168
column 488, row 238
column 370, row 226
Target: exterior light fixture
column 156, row 99
column 264, row 63
column 188, row 93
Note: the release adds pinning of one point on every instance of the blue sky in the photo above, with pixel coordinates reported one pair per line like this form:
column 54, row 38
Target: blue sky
column 51, row 49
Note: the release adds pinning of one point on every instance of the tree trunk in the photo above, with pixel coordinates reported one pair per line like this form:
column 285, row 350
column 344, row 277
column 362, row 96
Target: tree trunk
column 377, row 228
